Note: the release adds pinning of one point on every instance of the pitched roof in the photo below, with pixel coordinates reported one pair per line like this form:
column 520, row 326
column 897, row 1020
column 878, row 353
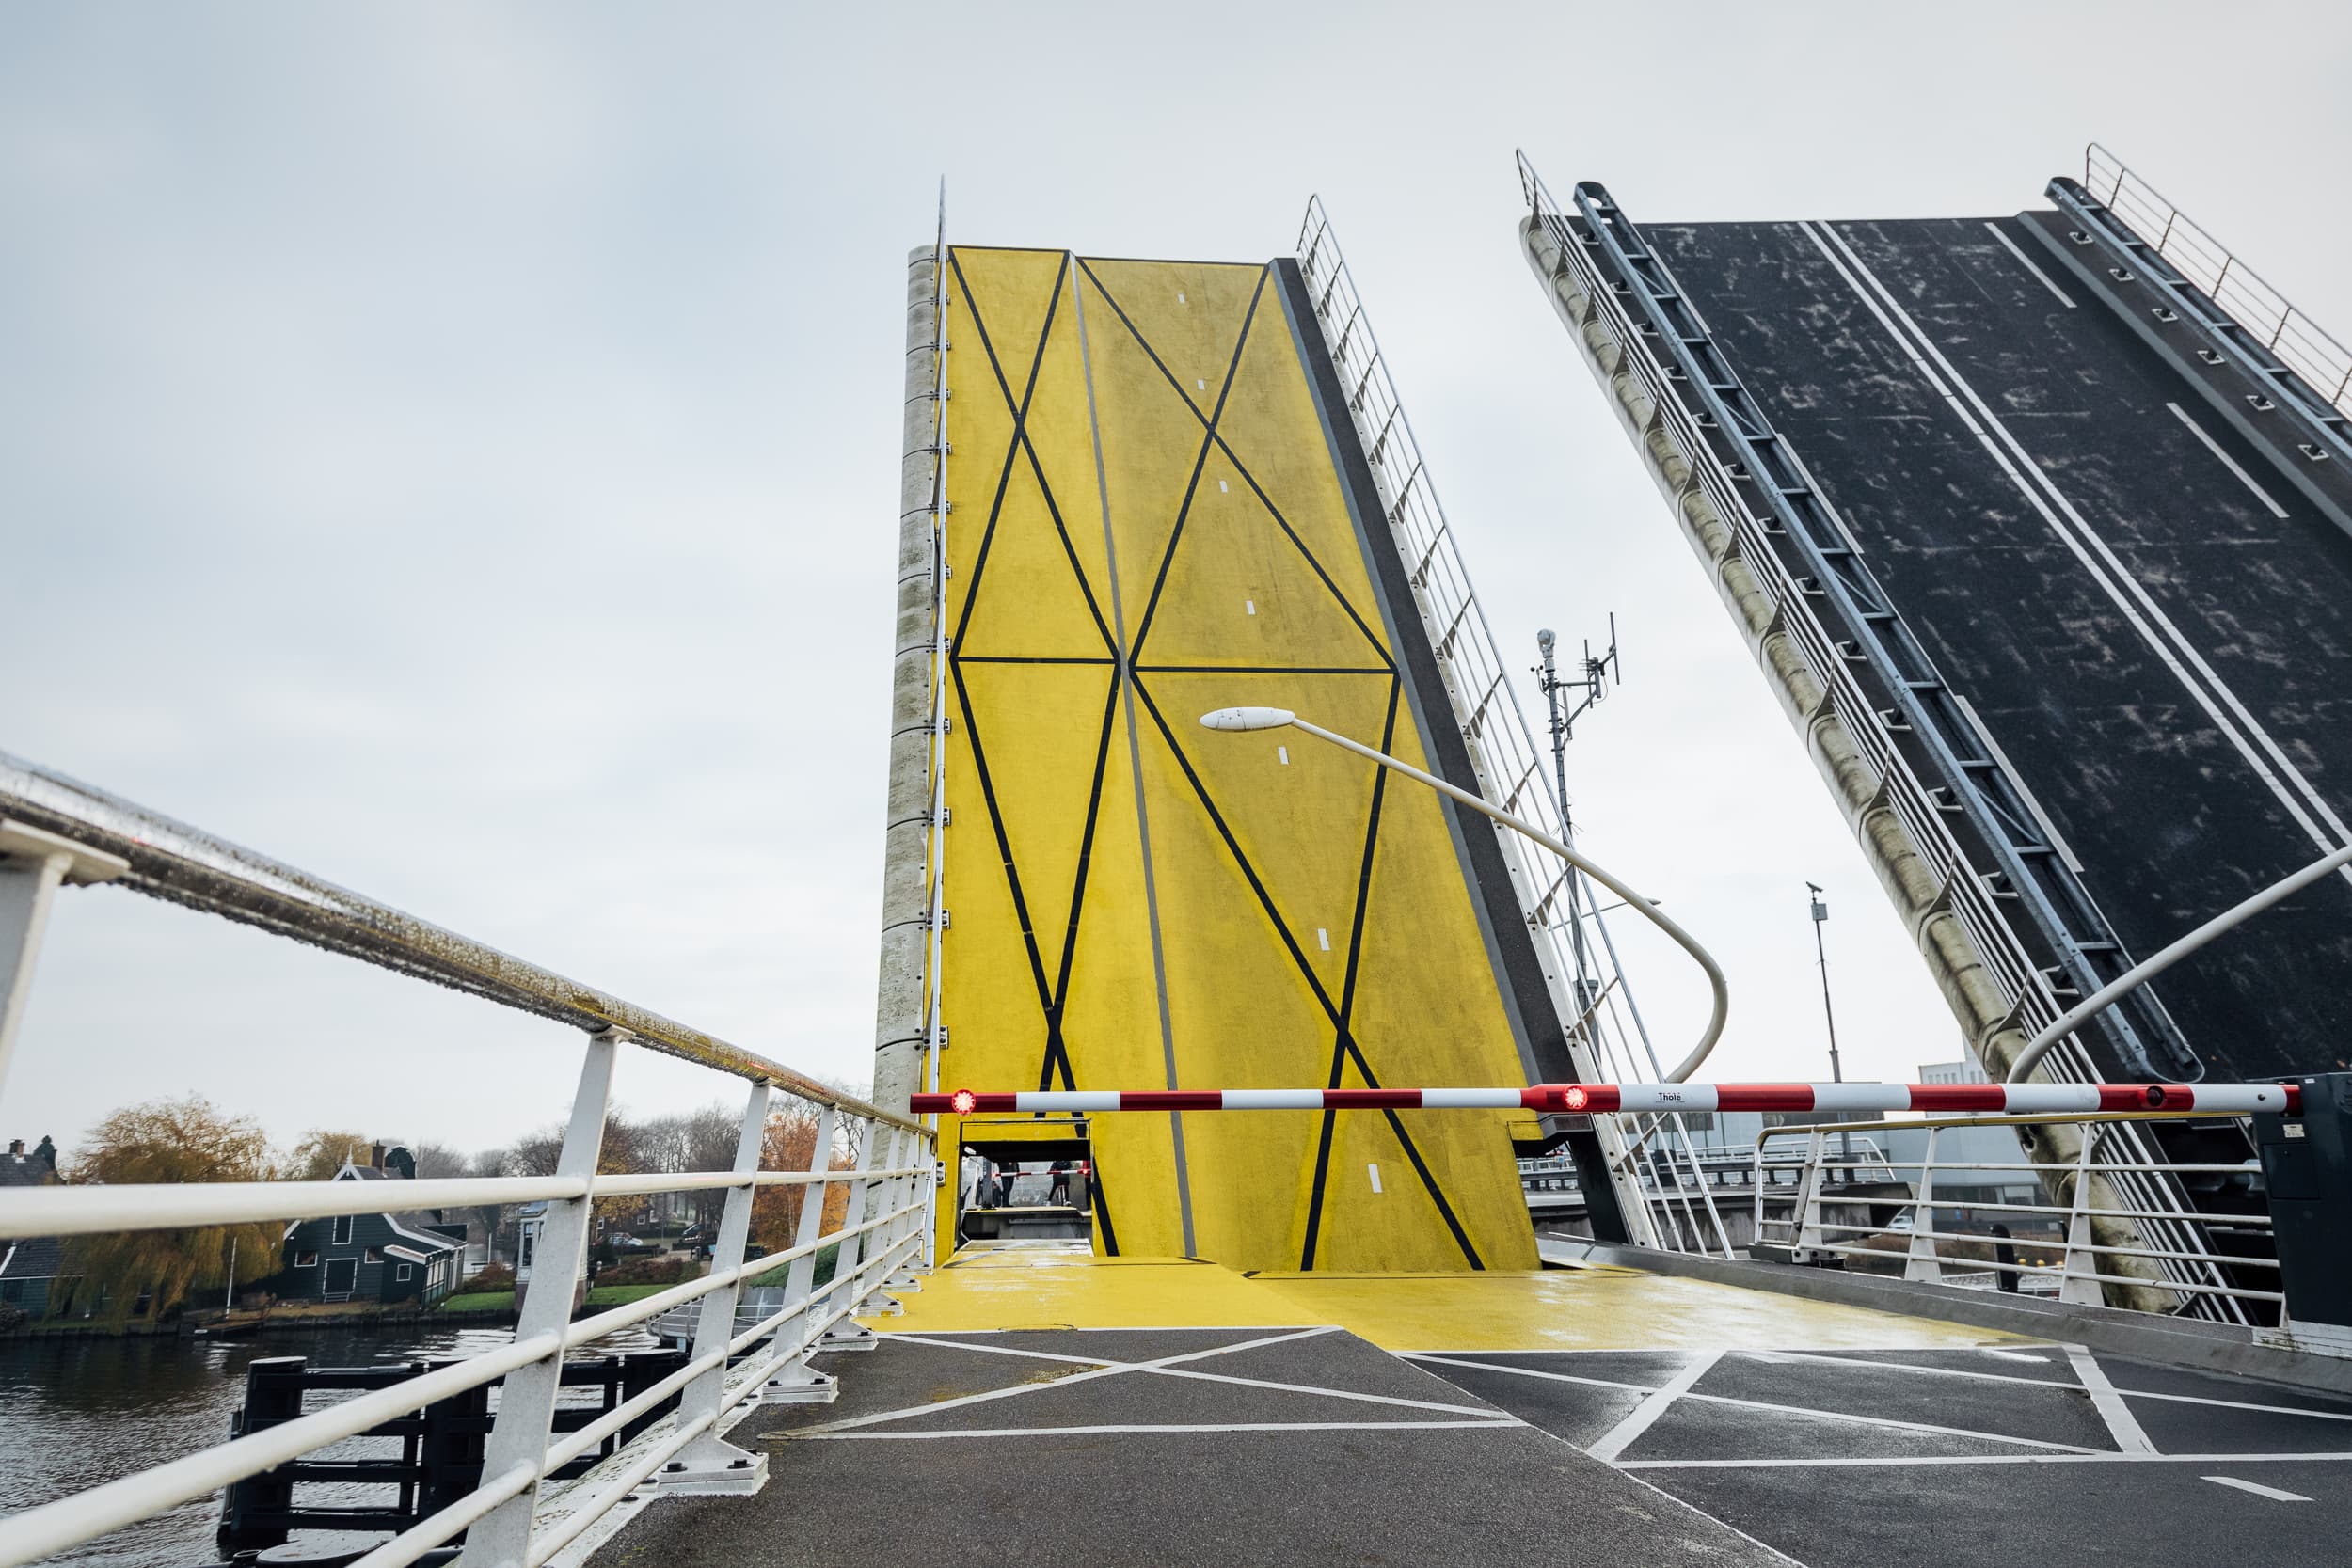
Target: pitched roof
column 34, row 1258
column 18, row 1170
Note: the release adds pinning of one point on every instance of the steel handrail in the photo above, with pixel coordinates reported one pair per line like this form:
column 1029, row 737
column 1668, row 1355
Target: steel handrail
column 90, row 1211
column 185, row 866
column 2305, row 348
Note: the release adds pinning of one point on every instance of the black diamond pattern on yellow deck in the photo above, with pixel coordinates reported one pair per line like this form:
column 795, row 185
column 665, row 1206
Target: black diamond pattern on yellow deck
column 1146, row 522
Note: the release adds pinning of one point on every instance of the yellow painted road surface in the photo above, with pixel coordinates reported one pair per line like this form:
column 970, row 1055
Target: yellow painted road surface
column 1552, row 1309
column 1147, row 521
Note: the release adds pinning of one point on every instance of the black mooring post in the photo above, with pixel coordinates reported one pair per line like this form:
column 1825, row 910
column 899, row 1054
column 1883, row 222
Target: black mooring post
column 273, row 1396
column 2307, row 1172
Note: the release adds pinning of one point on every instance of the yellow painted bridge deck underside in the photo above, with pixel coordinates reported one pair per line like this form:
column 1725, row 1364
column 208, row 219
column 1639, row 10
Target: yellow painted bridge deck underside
column 1147, row 521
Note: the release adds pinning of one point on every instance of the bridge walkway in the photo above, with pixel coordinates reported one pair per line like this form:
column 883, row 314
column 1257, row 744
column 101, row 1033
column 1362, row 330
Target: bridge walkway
column 1039, row 1405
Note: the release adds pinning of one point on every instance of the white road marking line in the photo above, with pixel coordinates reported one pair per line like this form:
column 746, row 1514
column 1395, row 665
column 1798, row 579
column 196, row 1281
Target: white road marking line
column 2239, row 1405
column 2259, row 1490
column 1915, row 1460
column 1223, row 487
column 1374, row 1171
column 2227, row 461
column 1284, row 753
column 1180, row 296
column 2019, row 1354
column 2117, row 586
column 2024, row 260
column 2121, row 1424
column 1506, row 1424
column 1251, row 605
column 1938, row 1371
column 1002, row 1350
column 1327, row 1393
column 1200, row 384
column 1323, row 937
column 1772, row 1406
column 1610, row 1443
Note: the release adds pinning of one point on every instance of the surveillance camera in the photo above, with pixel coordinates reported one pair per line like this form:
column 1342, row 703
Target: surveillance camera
column 1544, row 640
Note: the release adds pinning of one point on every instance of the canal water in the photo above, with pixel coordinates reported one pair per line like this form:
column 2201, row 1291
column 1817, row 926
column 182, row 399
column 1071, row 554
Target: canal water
column 76, row 1413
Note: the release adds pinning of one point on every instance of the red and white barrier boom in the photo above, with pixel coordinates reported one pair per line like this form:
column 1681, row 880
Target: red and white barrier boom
column 2014, row 1098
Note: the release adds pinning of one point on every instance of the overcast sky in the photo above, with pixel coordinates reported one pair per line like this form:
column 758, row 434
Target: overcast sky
column 454, row 449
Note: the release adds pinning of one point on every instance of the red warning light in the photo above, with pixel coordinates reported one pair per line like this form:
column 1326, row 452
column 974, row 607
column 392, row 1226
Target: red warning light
column 1575, row 1097
column 963, row 1101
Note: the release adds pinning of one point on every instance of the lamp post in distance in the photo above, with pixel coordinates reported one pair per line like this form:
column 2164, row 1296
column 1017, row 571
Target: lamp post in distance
column 1820, row 956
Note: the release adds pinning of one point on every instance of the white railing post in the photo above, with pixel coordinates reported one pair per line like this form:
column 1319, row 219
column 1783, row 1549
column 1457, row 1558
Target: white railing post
column 846, row 1332
column 1924, row 1262
column 797, row 1383
column 901, row 1193
column 501, row 1537
column 934, row 1176
column 33, row 865
column 1809, row 1199
column 2076, row 1285
column 710, row 1463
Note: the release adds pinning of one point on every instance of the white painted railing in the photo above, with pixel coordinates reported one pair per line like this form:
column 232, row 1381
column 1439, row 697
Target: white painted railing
column 2301, row 345
column 1803, row 1181
column 54, row 831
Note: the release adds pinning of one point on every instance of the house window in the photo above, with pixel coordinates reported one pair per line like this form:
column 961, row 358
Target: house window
column 401, row 1273
column 306, row 1259
column 374, row 1256
column 343, row 1231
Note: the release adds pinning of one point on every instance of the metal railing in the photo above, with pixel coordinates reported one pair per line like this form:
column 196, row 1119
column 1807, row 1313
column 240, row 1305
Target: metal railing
column 1968, row 888
column 1595, row 1003
column 1797, row 1213
column 2300, row 344
column 53, row 830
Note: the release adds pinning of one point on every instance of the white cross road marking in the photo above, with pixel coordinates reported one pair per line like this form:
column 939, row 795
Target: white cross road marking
column 1112, row 1368
column 2271, row 1492
column 1643, row 1415
column 1773, row 1408
column 2121, row 1424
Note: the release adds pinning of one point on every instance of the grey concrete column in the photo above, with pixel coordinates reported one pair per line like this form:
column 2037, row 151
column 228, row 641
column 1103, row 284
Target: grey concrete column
column 899, row 1025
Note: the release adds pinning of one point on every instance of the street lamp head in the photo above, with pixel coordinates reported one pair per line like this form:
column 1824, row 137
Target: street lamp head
column 1248, row 718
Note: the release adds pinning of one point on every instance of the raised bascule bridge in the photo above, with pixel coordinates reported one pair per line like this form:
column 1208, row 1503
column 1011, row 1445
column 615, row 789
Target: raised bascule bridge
column 1235, row 951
